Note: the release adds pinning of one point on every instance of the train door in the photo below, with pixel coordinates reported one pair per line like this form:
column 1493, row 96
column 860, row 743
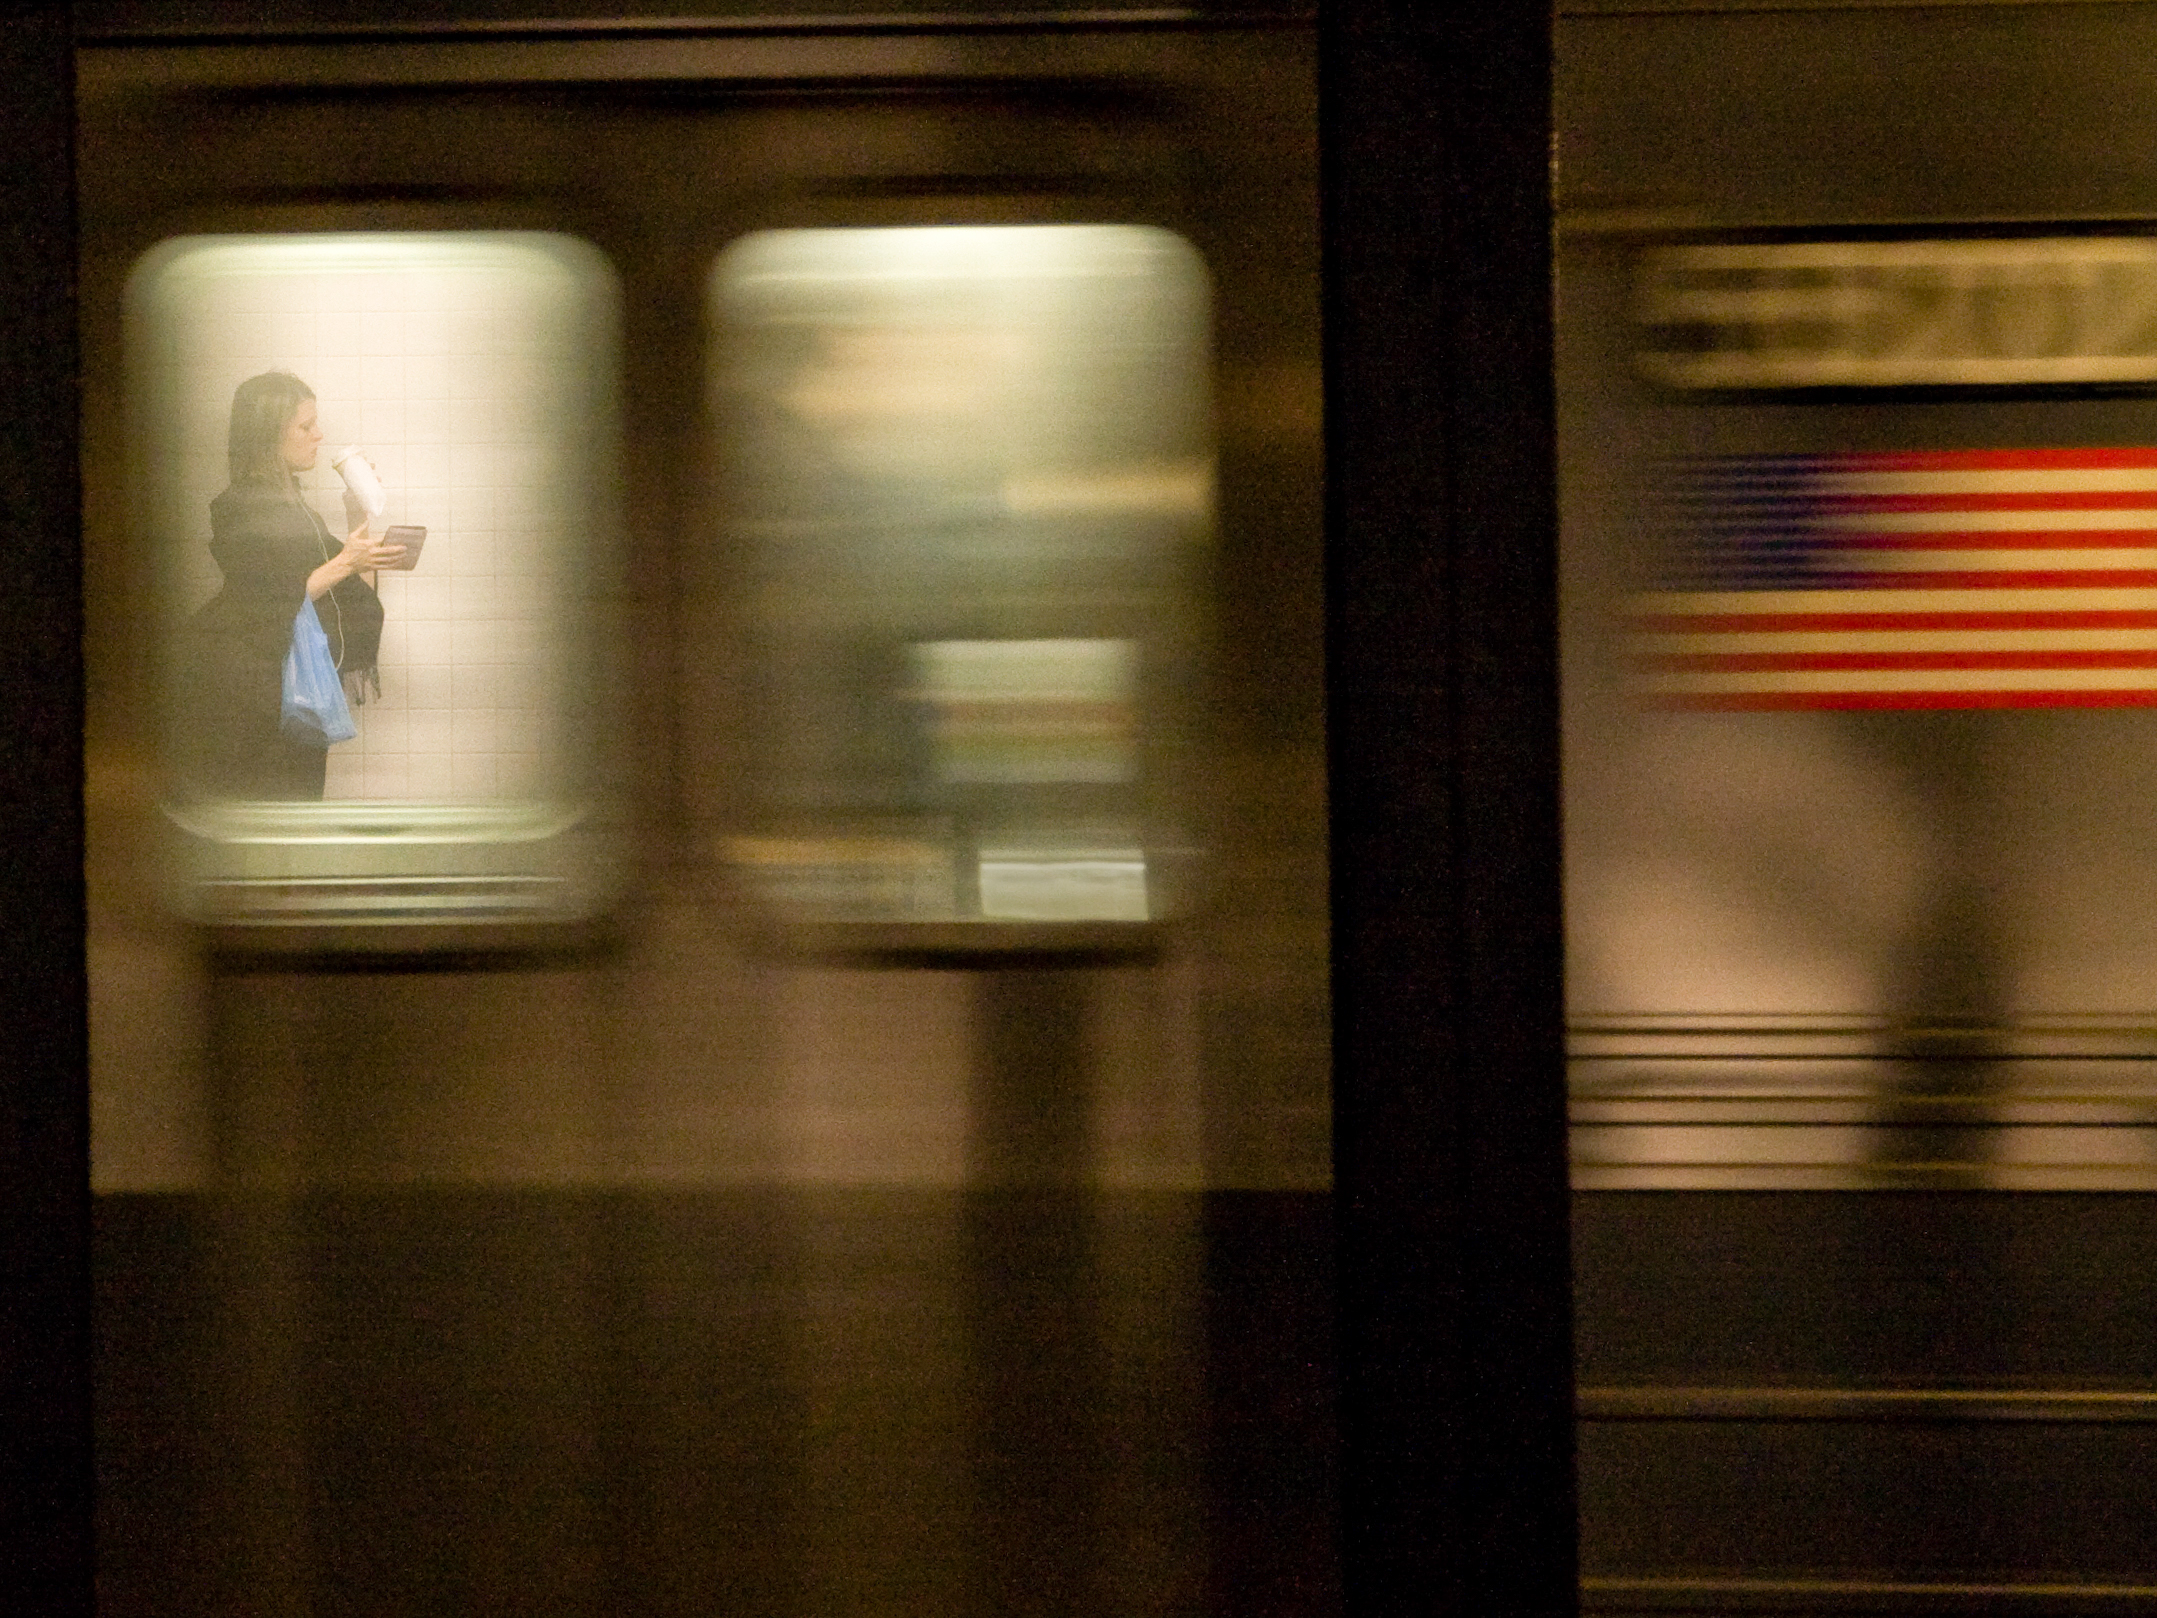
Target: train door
column 786, row 1064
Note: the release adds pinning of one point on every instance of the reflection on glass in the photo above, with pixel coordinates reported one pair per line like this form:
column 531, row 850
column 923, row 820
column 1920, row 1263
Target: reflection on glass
column 409, row 435
column 970, row 472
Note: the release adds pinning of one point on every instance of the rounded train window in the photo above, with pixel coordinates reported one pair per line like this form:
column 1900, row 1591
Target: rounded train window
column 372, row 477
column 971, row 488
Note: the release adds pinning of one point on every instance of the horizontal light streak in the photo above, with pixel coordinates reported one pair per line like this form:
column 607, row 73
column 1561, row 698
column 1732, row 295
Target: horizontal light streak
column 2004, row 559
column 1808, row 368
column 1652, row 605
column 1880, row 622
column 2018, row 458
column 1993, row 481
column 2003, row 579
column 1750, row 701
column 1928, row 253
column 1676, row 683
column 1717, row 642
column 2019, row 500
column 1852, row 547
column 1967, row 520
column 1770, row 662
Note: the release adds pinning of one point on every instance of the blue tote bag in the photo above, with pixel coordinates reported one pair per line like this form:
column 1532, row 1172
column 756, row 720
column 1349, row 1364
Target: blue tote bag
column 314, row 708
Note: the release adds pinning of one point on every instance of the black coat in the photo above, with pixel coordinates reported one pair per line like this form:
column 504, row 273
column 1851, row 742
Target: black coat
column 266, row 542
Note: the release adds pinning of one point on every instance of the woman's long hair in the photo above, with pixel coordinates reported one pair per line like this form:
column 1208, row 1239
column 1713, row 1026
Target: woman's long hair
column 262, row 407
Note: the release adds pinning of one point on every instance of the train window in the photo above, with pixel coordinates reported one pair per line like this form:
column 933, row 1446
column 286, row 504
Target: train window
column 969, row 477
column 412, row 433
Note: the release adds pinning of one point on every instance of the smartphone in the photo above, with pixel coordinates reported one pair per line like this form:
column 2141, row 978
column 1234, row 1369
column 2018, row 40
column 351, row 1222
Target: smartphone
column 411, row 537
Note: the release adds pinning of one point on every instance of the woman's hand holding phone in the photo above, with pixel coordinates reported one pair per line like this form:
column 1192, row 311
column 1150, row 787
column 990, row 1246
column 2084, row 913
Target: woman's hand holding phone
column 360, row 555
column 410, row 537
column 363, row 553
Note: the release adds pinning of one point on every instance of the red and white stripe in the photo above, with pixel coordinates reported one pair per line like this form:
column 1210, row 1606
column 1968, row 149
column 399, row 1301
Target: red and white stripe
column 1992, row 578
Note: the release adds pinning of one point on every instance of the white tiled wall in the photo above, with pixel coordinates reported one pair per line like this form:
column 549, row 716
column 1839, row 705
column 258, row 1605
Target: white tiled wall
column 465, row 367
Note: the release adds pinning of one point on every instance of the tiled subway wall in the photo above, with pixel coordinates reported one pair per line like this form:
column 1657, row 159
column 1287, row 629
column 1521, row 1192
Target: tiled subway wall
column 470, row 371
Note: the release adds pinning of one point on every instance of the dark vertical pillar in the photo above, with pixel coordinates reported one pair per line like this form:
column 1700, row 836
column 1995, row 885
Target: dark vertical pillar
column 44, row 1051
column 1037, row 1462
column 1443, row 742
column 257, row 1489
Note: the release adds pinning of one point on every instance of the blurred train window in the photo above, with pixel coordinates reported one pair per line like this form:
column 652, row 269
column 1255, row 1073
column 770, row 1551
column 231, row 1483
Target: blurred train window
column 452, row 391
column 969, row 474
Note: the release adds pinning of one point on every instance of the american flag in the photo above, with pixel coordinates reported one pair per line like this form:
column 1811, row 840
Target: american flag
column 1988, row 578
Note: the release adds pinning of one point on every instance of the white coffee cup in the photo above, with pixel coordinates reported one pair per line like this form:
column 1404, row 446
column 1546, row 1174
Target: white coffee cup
column 359, row 474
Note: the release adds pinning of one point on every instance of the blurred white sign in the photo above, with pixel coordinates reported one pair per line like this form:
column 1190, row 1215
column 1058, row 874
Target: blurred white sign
column 1027, row 884
column 1867, row 314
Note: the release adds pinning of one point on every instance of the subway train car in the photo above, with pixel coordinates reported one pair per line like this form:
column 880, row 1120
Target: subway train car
column 778, row 1062
column 786, row 1069
column 1856, row 366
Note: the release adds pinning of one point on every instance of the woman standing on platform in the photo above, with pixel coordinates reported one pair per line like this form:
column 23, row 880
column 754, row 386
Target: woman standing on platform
column 275, row 553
